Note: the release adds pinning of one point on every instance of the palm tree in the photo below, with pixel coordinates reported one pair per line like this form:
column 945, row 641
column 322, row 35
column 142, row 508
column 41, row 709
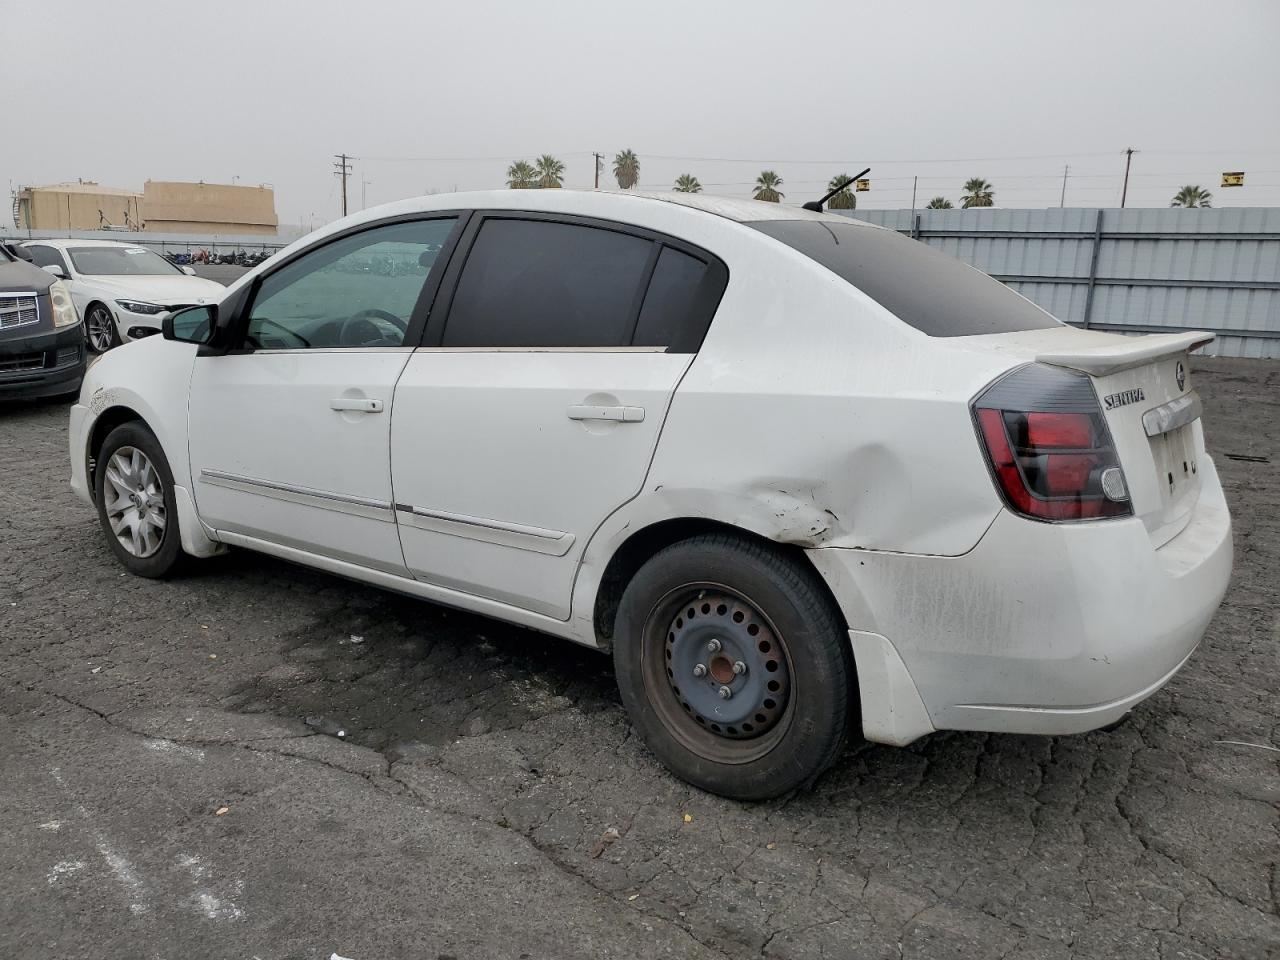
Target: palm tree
column 550, row 171
column 939, row 203
column 767, row 187
column 1192, row 196
column 844, row 200
column 978, row 193
column 687, row 183
column 522, row 176
column 626, row 169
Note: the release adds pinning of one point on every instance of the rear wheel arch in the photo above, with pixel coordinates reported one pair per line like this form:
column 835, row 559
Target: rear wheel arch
column 639, row 547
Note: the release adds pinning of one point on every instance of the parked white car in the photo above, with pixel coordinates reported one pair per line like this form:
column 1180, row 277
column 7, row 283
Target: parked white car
column 122, row 290
column 797, row 472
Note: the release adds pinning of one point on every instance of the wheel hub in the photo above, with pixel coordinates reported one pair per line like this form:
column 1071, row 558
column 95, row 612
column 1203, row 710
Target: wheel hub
column 134, row 501
column 726, row 667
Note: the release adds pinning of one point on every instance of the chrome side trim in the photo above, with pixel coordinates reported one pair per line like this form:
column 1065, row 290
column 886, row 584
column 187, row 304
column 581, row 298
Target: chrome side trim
column 1171, row 415
column 556, row 543
column 308, row 496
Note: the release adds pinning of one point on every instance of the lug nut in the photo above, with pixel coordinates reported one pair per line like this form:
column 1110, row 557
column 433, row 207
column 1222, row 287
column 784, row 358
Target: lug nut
column 725, row 693
column 700, row 670
column 714, row 646
column 739, row 668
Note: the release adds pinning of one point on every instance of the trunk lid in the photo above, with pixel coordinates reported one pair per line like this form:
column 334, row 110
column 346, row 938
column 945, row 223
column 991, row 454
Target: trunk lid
column 1144, row 388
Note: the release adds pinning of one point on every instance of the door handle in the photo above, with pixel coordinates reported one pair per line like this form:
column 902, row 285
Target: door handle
column 619, row 414
column 360, row 404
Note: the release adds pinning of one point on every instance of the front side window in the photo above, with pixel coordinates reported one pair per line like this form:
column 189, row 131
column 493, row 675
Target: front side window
column 359, row 291
column 540, row 283
column 120, row 262
column 43, row 256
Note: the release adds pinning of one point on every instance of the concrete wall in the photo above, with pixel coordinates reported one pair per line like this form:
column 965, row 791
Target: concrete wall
column 1134, row 270
column 174, row 207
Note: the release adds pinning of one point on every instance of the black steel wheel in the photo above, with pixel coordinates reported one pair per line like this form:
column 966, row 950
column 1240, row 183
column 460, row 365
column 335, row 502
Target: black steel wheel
column 734, row 666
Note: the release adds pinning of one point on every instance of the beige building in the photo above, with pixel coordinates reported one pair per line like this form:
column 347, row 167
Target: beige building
column 162, row 207
column 76, row 206
column 173, row 207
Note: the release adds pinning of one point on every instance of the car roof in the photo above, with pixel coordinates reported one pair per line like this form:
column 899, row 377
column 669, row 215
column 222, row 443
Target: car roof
column 73, row 242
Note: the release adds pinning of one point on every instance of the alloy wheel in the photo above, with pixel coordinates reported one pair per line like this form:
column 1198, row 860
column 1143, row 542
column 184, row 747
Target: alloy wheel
column 99, row 329
column 135, row 502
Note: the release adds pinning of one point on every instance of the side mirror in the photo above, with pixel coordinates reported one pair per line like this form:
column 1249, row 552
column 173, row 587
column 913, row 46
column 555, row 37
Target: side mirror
column 192, row 325
column 56, row 270
column 189, row 271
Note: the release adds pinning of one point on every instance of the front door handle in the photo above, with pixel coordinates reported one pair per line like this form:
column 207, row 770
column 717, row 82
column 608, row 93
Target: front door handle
column 619, row 414
column 360, row 404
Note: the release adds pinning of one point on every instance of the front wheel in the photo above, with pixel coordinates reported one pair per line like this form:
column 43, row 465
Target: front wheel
column 100, row 329
column 136, row 504
column 734, row 667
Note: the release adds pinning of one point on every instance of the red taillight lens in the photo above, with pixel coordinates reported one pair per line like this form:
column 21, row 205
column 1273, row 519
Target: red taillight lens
column 1048, row 445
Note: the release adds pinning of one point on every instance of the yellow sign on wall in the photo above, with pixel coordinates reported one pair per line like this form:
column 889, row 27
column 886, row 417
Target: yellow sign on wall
column 862, row 185
column 1233, row 179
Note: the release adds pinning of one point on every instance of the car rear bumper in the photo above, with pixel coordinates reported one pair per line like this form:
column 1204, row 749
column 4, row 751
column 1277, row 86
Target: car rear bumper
column 48, row 365
column 1040, row 628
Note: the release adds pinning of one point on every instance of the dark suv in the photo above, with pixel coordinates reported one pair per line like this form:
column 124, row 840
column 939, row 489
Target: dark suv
column 41, row 337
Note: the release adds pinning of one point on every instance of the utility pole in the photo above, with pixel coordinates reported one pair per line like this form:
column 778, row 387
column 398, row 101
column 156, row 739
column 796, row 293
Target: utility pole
column 914, row 181
column 599, row 163
column 1124, row 193
column 342, row 168
column 1062, row 200
column 363, row 185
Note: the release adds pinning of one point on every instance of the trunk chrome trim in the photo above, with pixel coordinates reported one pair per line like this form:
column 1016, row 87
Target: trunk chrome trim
column 1172, row 415
column 308, row 496
column 556, row 543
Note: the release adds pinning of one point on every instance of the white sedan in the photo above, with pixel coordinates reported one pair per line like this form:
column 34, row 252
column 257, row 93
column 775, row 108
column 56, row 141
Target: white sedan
column 800, row 474
column 121, row 290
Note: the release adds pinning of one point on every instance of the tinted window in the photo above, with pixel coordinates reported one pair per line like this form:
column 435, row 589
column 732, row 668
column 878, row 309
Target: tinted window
column 671, row 304
column 537, row 283
column 937, row 294
column 43, row 256
column 359, row 291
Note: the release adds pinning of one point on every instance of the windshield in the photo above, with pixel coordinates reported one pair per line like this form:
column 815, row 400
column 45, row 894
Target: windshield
column 935, row 293
column 120, row 262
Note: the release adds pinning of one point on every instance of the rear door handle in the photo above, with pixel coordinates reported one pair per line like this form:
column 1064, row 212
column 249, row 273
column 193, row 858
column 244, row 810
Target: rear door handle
column 361, row 404
column 620, row 414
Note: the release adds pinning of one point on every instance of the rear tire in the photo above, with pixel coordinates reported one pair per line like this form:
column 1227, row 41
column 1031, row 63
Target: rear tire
column 136, row 506
column 734, row 667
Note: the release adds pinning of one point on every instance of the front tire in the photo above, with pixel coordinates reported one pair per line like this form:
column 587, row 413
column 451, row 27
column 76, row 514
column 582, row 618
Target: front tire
column 100, row 329
column 734, row 667
column 136, row 504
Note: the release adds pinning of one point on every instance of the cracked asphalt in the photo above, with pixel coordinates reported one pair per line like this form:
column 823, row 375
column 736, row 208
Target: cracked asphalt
column 259, row 761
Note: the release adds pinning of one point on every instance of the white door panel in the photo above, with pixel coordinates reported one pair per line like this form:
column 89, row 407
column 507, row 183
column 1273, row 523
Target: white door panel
column 505, row 462
column 292, row 447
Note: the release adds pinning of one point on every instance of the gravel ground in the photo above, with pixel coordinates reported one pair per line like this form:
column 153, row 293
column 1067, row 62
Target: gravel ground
column 258, row 761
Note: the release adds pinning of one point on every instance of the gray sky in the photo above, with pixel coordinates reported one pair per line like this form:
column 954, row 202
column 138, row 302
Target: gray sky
column 267, row 91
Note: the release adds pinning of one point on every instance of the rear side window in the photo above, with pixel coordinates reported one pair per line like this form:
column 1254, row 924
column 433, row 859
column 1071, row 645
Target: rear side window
column 671, row 304
column 937, row 294
column 539, row 283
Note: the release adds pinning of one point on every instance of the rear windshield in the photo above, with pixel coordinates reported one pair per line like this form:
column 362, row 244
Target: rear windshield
column 937, row 294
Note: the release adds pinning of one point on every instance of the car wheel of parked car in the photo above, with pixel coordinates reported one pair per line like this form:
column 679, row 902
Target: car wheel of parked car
column 734, row 666
column 100, row 329
column 136, row 506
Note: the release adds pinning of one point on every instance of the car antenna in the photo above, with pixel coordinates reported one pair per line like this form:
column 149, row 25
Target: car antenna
column 816, row 205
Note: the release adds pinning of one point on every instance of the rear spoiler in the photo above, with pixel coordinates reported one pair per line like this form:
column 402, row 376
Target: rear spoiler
column 1126, row 352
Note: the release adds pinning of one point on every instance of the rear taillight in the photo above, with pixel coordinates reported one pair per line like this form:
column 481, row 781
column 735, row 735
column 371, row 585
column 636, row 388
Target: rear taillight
column 1049, row 447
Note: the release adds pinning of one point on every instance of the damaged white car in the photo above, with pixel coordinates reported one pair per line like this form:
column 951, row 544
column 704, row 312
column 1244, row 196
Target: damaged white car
column 802, row 475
